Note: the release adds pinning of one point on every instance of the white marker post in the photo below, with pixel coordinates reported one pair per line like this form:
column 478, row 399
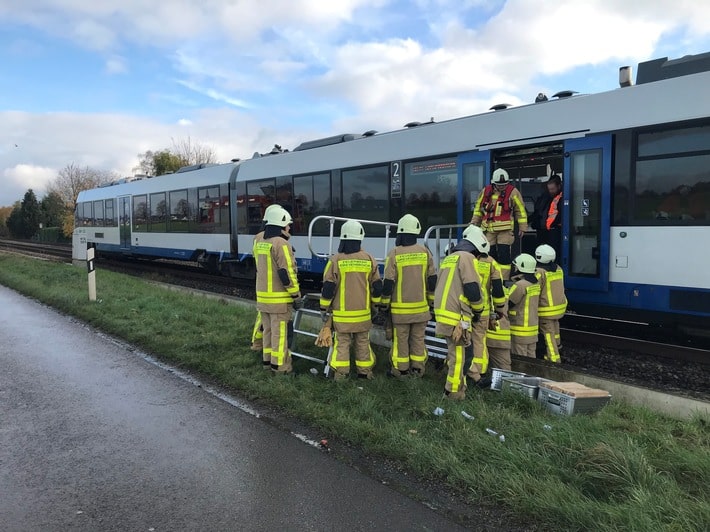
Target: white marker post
column 92, row 270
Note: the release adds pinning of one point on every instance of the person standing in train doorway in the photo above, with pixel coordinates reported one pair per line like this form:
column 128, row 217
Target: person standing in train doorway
column 498, row 207
column 549, row 216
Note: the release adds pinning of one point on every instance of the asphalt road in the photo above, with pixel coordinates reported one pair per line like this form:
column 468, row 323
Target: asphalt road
column 94, row 437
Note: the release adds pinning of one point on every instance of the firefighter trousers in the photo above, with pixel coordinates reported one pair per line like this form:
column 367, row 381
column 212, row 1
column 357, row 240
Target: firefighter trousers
column 408, row 348
column 364, row 356
column 257, row 335
column 276, row 352
column 455, row 382
column 501, row 249
column 550, row 332
column 499, row 357
column 479, row 358
column 523, row 346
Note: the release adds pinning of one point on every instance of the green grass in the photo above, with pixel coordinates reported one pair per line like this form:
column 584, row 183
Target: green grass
column 624, row 468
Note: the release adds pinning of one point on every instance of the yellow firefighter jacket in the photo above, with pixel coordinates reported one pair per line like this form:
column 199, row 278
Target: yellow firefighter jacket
column 272, row 255
column 523, row 300
column 410, row 268
column 553, row 302
column 450, row 304
column 353, row 275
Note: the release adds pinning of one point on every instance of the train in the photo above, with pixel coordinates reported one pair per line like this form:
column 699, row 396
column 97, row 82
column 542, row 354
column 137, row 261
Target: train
column 635, row 164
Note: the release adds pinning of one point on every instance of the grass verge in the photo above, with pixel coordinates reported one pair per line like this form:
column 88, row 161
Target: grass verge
column 624, row 468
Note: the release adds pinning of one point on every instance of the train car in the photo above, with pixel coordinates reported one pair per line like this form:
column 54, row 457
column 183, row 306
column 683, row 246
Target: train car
column 635, row 163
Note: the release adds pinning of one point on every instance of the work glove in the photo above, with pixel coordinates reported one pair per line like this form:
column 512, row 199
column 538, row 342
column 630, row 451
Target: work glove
column 297, row 303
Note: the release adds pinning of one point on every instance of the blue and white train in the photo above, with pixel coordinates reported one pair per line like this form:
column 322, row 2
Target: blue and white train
column 635, row 162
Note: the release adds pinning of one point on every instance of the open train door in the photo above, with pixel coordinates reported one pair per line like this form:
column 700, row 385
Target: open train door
column 474, row 171
column 586, row 212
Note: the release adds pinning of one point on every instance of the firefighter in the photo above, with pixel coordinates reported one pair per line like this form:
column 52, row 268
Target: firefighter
column 457, row 304
column 257, row 334
column 522, row 307
column 493, row 300
column 277, row 289
column 498, row 206
column 351, row 286
column 408, row 292
column 553, row 303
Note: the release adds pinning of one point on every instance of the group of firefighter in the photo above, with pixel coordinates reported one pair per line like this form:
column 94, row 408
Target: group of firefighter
column 482, row 309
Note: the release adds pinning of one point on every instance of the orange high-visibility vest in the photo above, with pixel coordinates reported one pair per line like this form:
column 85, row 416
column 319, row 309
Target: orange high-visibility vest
column 552, row 212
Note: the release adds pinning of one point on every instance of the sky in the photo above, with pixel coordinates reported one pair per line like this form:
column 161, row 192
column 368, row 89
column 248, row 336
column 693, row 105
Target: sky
column 96, row 83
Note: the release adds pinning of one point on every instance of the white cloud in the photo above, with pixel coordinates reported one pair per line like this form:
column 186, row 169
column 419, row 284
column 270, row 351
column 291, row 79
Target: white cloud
column 184, row 122
column 116, row 65
column 21, row 177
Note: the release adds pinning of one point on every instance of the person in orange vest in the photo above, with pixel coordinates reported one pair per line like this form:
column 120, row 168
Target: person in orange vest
column 523, row 301
column 553, row 303
column 498, row 207
column 351, row 286
column 551, row 230
column 408, row 292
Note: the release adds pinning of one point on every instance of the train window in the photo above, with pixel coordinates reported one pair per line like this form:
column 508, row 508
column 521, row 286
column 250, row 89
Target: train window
column 140, row 213
column 673, row 191
column 672, row 180
column 622, row 178
column 209, row 215
column 474, row 180
column 284, row 193
column 224, row 208
column 99, row 213
column 260, row 195
column 85, row 214
column 311, row 199
column 193, row 215
column 431, row 191
column 158, row 213
column 690, row 139
column 242, row 208
column 110, row 213
column 179, row 212
column 366, row 196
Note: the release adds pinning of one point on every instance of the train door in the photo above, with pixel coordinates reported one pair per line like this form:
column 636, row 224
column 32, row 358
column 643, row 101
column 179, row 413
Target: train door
column 124, row 221
column 474, row 170
column 586, row 212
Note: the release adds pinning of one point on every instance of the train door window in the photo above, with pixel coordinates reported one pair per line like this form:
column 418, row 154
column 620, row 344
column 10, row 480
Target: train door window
column 224, row 208
column 208, row 200
column 140, row 213
column 585, row 212
column 311, row 199
column 99, row 213
column 473, row 182
column 158, row 213
column 366, row 196
column 621, row 200
column 431, row 191
column 260, row 194
column 242, row 227
column 110, row 213
column 179, row 212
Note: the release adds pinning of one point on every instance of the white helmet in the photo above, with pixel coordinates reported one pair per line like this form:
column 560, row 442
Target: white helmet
column 500, row 177
column 475, row 235
column 525, row 263
column 409, row 224
column 352, row 230
column 270, row 208
column 545, row 254
column 279, row 217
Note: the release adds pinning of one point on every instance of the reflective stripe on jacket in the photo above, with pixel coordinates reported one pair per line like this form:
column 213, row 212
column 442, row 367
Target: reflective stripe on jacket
column 353, row 275
column 409, row 267
column 523, row 300
column 450, row 304
column 272, row 255
column 553, row 302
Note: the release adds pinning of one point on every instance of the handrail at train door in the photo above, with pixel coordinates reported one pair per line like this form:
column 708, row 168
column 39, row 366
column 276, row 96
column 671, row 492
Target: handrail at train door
column 437, row 230
column 331, row 235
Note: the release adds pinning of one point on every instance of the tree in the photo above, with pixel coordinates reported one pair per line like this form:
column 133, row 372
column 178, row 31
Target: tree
column 71, row 180
column 5, row 213
column 184, row 152
column 23, row 222
column 53, row 210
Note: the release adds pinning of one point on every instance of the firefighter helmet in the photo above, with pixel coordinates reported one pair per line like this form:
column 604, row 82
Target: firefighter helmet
column 352, row 230
column 545, row 254
column 409, row 224
column 524, row 263
column 279, row 217
column 475, row 235
column 500, row 177
column 272, row 207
